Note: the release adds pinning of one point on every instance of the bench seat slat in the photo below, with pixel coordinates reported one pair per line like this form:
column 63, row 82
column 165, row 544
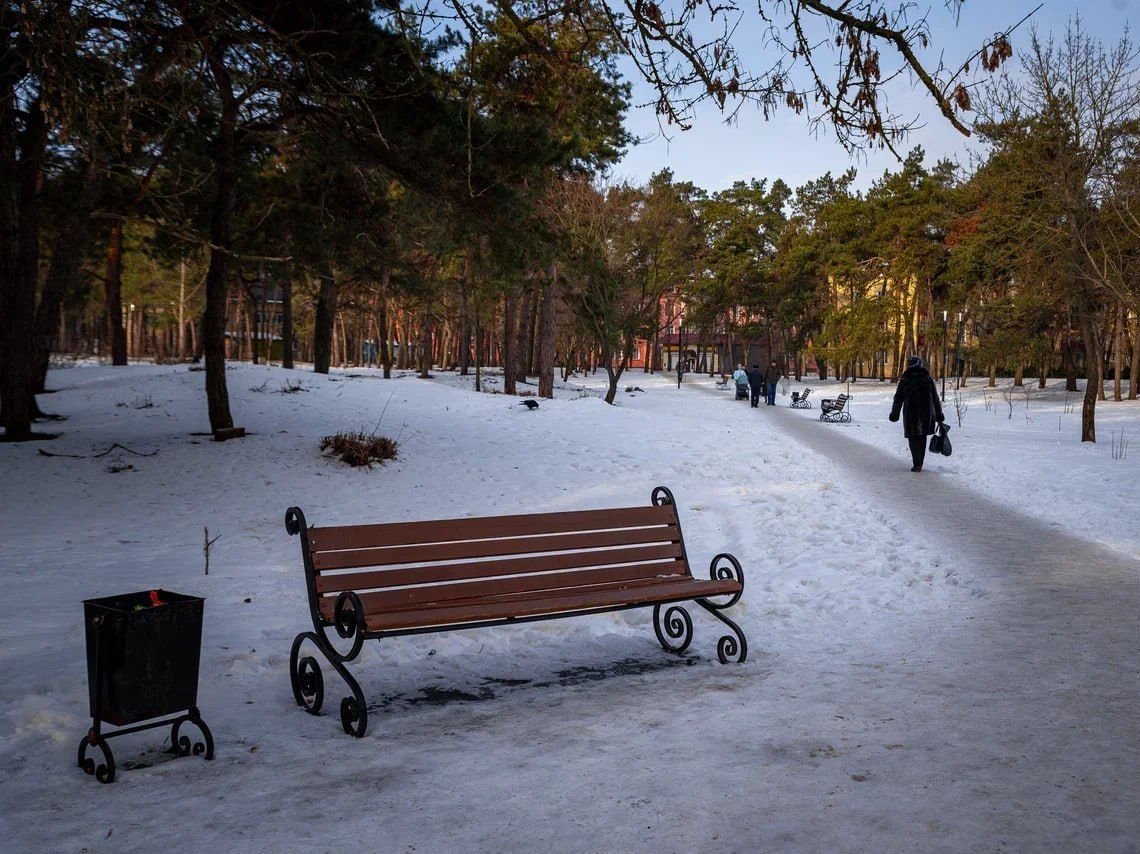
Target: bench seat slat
column 551, row 582
column 328, row 582
column 485, row 527
column 538, row 603
column 462, row 550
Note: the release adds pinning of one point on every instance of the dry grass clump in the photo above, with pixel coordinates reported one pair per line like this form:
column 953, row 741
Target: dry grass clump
column 359, row 449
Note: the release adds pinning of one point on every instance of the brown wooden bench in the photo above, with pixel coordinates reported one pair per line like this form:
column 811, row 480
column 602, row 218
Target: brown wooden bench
column 375, row 581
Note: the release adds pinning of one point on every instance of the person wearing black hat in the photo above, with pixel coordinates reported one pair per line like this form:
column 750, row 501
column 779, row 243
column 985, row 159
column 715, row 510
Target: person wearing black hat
column 756, row 384
column 917, row 399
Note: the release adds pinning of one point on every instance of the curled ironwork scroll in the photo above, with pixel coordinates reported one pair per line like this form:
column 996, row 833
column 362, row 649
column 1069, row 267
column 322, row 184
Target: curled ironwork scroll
column 725, row 567
column 674, row 629
column 732, row 647
column 308, row 682
column 103, row 771
column 661, row 496
column 183, row 745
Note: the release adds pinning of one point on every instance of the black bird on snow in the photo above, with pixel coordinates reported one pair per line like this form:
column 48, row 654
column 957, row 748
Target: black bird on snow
column 529, row 404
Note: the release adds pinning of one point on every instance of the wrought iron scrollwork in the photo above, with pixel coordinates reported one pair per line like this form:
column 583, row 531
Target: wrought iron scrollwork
column 661, row 496
column 103, row 771
column 725, row 567
column 309, row 683
column 183, row 745
column 674, row 630
column 348, row 620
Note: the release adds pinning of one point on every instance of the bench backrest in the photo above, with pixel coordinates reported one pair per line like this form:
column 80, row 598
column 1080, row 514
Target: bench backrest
column 404, row 563
column 805, row 393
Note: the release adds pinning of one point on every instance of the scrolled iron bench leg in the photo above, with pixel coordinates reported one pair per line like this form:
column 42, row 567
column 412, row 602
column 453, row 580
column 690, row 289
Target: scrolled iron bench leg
column 725, row 567
column 728, row 647
column 309, row 684
column 677, row 626
column 305, row 673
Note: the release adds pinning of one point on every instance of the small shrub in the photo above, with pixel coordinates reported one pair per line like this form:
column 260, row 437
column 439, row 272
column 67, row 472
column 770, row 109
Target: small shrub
column 359, row 449
column 289, row 387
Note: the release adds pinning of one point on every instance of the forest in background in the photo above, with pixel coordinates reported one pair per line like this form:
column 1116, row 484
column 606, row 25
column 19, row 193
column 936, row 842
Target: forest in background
column 432, row 183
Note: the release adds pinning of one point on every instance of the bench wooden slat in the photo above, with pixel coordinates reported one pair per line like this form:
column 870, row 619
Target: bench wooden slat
column 535, row 604
column 551, row 583
column 328, row 582
column 492, row 548
column 485, row 527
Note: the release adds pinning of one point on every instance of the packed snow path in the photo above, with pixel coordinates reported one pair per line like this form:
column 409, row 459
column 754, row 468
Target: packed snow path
column 908, row 687
column 1046, row 679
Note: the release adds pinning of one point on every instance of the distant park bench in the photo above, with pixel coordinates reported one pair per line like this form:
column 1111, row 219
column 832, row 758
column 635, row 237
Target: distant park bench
column 835, row 409
column 800, row 399
column 367, row 582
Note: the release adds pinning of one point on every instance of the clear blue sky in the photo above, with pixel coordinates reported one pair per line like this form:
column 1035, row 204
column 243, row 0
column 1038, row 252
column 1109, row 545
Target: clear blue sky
column 714, row 154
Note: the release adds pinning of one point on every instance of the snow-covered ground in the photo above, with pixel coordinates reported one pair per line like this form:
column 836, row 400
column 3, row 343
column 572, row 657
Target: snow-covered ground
column 898, row 695
column 1021, row 446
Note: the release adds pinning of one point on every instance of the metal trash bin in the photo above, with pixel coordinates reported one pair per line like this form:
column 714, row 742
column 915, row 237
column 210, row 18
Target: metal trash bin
column 143, row 652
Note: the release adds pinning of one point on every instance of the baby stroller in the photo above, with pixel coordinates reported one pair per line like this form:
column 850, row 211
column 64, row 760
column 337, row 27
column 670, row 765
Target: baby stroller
column 742, row 390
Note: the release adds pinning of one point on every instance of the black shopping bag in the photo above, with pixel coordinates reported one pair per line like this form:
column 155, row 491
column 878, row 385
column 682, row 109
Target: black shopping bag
column 940, row 442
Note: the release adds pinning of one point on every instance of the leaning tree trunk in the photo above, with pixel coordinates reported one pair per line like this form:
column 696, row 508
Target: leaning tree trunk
column 546, row 335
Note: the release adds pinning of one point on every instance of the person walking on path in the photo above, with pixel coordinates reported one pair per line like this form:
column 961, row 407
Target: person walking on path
column 756, row 383
column 771, row 378
column 917, row 399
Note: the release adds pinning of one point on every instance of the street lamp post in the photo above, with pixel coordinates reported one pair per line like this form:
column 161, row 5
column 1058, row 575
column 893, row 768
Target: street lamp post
column 945, row 335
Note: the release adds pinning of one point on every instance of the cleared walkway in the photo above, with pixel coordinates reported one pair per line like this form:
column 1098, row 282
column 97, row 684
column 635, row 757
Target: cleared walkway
column 1046, row 676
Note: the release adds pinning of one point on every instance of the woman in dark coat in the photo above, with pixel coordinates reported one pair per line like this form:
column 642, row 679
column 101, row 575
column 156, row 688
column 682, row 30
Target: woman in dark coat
column 917, row 398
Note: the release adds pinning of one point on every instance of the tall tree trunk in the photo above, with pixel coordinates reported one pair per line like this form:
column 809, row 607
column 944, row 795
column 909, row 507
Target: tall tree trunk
column 532, row 329
column 116, row 335
column 1118, row 353
column 324, row 322
column 425, row 342
column 464, row 312
column 385, row 353
column 287, row 317
column 478, row 351
column 251, row 324
column 522, row 334
column 20, row 222
column 1092, row 348
column 993, row 375
column 66, row 256
column 217, row 274
column 508, row 348
column 546, row 334
column 1134, row 368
